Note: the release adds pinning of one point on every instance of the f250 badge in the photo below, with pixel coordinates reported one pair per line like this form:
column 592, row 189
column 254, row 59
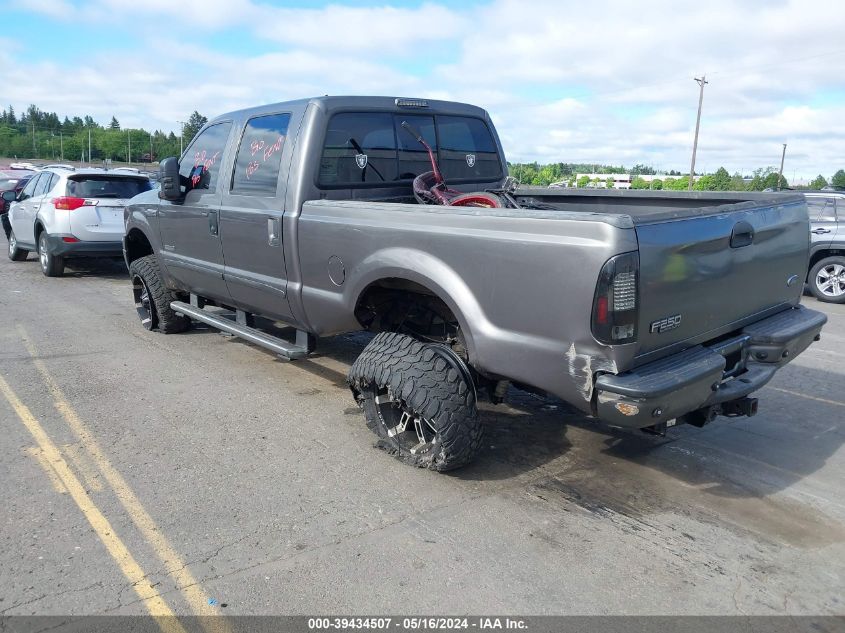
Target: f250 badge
column 665, row 324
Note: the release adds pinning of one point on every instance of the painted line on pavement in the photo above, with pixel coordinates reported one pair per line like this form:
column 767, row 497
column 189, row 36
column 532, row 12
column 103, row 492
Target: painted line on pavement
column 174, row 565
column 52, row 457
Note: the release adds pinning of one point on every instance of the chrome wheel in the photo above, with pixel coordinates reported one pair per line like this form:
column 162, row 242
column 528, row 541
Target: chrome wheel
column 42, row 252
column 413, row 432
column 830, row 280
column 143, row 303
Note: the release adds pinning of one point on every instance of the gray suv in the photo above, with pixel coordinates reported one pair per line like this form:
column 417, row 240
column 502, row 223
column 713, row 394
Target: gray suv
column 826, row 277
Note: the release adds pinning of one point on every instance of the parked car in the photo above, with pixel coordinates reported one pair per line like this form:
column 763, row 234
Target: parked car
column 635, row 307
column 11, row 180
column 826, row 276
column 65, row 213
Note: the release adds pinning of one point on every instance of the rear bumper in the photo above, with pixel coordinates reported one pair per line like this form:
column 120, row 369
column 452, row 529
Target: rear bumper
column 56, row 246
column 706, row 375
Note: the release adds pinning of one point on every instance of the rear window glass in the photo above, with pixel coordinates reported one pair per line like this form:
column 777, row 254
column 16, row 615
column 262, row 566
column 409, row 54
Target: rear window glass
column 107, row 187
column 821, row 209
column 359, row 148
column 369, row 148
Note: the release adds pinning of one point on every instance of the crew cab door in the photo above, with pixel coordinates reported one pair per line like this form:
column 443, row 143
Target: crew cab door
column 190, row 229
column 251, row 217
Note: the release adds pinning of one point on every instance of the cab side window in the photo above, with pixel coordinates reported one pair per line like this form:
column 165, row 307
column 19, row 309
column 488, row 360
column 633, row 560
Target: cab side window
column 200, row 164
column 821, row 210
column 43, row 184
column 259, row 156
column 29, row 190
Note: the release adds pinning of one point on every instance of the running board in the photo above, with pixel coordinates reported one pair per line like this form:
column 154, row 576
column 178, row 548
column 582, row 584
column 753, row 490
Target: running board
column 284, row 348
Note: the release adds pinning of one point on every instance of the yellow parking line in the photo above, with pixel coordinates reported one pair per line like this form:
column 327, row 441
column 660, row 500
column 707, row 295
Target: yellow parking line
column 131, row 570
column 175, row 566
column 38, row 454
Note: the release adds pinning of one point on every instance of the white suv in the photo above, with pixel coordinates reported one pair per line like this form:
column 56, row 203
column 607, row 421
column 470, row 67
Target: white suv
column 64, row 213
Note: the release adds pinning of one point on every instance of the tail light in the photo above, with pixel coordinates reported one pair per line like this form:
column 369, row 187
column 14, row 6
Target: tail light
column 69, row 203
column 616, row 304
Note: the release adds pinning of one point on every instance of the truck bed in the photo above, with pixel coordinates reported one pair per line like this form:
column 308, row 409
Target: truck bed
column 645, row 207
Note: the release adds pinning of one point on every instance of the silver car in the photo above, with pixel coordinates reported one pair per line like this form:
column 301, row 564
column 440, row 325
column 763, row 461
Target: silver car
column 64, row 213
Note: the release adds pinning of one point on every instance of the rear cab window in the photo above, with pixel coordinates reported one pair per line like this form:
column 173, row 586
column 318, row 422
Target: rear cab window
column 369, row 148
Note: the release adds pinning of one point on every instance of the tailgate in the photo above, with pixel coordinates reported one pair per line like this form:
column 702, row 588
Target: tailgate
column 701, row 277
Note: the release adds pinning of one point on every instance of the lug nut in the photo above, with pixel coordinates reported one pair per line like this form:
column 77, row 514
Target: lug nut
column 762, row 355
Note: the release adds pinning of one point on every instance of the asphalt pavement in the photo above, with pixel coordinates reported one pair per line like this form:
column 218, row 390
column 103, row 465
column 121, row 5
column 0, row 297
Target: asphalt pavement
column 196, row 473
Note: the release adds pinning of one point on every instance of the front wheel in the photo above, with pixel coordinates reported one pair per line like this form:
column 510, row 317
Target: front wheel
column 51, row 265
column 420, row 401
column 16, row 253
column 827, row 280
column 152, row 298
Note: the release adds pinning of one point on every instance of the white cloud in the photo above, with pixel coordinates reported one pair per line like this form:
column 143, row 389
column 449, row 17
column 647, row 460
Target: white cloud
column 611, row 84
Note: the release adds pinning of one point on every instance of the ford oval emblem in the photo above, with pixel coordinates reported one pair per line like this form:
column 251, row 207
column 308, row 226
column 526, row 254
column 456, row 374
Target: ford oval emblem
column 792, row 280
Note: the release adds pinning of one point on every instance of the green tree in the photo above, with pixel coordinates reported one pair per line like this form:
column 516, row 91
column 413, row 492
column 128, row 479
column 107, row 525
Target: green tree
column 194, row 125
column 838, row 179
column 582, row 182
column 818, row 182
column 609, row 183
column 114, row 125
column 657, row 184
column 721, row 180
column 639, row 183
column 771, row 181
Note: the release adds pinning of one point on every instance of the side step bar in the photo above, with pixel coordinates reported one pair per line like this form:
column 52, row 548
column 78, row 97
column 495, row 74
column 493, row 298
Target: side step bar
column 291, row 351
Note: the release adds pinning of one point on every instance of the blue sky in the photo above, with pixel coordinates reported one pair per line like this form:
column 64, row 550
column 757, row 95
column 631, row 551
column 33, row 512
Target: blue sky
column 564, row 81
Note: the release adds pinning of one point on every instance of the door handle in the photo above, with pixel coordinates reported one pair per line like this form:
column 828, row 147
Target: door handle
column 820, row 231
column 212, row 223
column 274, row 235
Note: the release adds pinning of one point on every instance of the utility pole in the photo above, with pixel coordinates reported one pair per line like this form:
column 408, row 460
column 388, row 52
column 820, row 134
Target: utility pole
column 181, row 134
column 128, row 147
column 33, row 138
column 701, row 82
column 62, row 144
column 151, row 148
column 89, row 146
column 780, row 173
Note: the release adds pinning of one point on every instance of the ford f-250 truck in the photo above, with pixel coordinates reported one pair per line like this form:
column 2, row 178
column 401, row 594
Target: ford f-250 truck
column 642, row 309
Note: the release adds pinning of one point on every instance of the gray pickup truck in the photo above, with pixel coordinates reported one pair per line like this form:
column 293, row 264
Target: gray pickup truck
column 642, row 309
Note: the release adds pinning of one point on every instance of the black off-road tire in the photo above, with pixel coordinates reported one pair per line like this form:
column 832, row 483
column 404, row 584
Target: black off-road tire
column 426, row 381
column 16, row 253
column 51, row 265
column 835, row 264
column 152, row 298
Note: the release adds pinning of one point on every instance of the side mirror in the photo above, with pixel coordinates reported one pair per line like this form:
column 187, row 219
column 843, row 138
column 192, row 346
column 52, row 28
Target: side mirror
column 168, row 176
column 10, row 195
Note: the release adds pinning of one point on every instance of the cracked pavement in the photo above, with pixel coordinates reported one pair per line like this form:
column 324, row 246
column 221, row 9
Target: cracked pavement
column 263, row 477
